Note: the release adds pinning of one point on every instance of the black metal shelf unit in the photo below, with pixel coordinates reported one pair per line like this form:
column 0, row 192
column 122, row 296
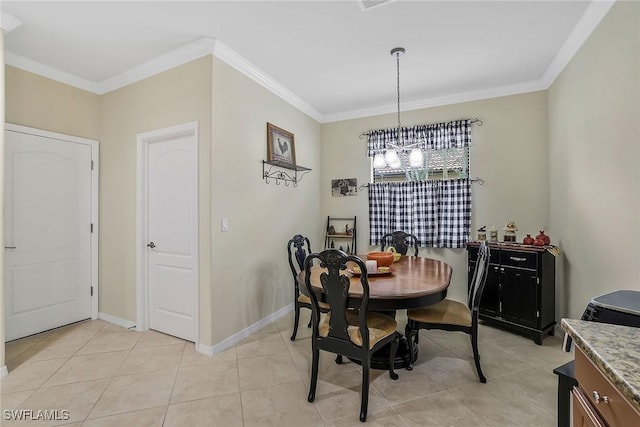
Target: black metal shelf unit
column 272, row 169
column 342, row 239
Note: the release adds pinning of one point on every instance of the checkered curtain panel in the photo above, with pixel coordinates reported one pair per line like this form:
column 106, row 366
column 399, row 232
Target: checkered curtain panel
column 454, row 213
column 437, row 212
column 436, row 136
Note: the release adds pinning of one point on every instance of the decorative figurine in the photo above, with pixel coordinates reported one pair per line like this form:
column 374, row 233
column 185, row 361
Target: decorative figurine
column 493, row 234
column 528, row 240
column 482, row 233
column 544, row 238
column 510, row 232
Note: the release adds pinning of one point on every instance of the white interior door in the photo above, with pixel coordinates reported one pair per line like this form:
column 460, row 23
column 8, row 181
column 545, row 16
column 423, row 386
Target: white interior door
column 172, row 232
column 48, row 202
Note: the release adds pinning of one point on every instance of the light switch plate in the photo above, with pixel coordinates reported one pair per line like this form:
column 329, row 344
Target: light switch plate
column 224, row 224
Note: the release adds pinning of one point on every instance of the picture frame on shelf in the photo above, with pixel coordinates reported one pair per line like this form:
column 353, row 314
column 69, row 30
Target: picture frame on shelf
column 280, row 146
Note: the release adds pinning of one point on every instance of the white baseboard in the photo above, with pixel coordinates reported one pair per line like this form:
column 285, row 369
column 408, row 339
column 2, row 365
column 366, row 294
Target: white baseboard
column 204, row 349
column 3, row 371
column 116, row 320
column 237, row 337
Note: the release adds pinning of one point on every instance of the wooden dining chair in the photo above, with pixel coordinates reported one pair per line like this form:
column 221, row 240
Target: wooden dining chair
column 298, row 248
column 452, row 315
column 398, row 239
column 354, row 333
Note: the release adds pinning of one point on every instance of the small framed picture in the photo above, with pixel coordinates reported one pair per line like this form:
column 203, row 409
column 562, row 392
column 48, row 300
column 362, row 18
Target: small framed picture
column 344, row 187
column 281, row 146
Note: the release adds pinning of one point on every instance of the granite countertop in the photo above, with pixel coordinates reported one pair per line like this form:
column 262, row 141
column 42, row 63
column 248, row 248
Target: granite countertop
column 614, row 349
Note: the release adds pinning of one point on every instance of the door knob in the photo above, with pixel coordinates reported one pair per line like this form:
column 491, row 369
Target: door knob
column 151, row 245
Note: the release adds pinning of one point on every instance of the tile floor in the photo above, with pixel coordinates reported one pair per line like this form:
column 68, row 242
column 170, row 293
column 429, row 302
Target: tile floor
column 104, row 375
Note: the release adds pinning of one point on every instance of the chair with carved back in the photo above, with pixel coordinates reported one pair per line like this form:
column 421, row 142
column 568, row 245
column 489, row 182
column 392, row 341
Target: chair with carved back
column 398, row 239
column 298, row 248
column 348, row 329
column 452, row 315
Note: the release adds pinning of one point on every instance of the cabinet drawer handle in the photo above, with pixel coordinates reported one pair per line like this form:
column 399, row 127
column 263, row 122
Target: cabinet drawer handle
column 515, row 258
column 598, row 398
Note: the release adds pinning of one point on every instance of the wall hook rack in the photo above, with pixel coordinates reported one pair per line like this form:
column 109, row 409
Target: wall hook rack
column 283, row 172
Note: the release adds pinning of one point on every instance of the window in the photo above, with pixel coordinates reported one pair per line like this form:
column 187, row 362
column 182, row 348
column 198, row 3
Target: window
column 431, row 201
column 447, row 163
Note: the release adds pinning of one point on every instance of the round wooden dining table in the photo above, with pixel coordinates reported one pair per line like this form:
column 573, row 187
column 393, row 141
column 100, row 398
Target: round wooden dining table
column 413, row 282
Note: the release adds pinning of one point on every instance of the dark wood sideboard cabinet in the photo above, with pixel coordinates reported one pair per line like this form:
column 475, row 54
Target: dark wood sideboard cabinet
column 520, row 289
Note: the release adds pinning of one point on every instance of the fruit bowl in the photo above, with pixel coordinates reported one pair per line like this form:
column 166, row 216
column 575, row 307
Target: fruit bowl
column 384, row 259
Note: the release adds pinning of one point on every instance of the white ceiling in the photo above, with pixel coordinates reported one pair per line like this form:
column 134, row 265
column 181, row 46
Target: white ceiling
column 331, row 58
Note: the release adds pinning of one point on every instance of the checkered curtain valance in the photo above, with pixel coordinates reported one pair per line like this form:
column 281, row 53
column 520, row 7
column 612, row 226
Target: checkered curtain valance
column 437, row 212
column 436, row 136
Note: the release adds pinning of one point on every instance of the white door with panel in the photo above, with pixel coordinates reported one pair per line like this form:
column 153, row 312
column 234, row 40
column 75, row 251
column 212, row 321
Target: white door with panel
column 171, row 220
column 48, row 225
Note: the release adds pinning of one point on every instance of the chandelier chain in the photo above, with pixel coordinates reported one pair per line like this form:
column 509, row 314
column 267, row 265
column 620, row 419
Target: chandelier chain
column 398, row 89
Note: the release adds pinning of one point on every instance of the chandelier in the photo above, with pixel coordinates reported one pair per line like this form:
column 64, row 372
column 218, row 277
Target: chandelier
column 391, row 157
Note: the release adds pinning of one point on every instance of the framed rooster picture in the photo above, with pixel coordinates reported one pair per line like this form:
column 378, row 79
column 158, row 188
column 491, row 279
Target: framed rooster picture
column 281, row 146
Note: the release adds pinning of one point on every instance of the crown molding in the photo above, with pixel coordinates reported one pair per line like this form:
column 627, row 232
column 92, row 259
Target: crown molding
column 457, row 98
column 15, row 60
column 581, row 32
column 167, row 61
column 8, row 22
column 142, row 71
column 232, row 58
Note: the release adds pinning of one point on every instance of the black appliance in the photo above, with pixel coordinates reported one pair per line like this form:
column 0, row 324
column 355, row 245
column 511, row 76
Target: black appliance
column 616, row 308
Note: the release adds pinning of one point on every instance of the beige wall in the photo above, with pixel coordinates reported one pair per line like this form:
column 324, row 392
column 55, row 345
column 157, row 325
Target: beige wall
column 250, row 273
column 509, row 152
column 177, row 96
column 594, row 128
column 42, row 103
column 250, row 279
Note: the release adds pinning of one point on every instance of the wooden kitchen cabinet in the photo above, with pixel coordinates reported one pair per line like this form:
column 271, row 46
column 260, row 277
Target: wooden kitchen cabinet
column 583, row 413
column 520, row 290
column 597, row 400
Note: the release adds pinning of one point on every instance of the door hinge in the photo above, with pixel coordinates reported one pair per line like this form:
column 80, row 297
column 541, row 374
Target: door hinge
column 92, row 291
column 538, row 280
column 91, row 227
column 537, row 314
column 91, row 164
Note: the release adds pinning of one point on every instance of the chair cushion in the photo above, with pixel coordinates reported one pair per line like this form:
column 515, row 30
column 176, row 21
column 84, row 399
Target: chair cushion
column 380, row 326
column 447, row 312
column 302, row 298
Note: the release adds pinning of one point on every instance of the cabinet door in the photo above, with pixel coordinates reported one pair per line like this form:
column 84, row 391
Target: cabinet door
column 490, row 300
column 519, row 296
column 583, row 413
